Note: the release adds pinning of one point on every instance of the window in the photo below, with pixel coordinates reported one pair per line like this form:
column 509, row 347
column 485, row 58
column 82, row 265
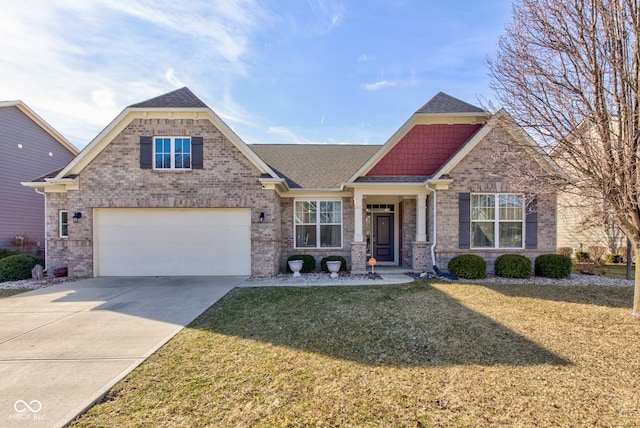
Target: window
column 172, row 153
column 318, row 224
column 497, row 221
column 63, row 227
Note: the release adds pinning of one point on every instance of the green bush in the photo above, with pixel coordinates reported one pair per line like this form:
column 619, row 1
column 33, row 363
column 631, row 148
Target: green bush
column 17, row 267
column 583, row 256
column 468, row 266
column 614, row 258
column 553, row 266
column 323, row 263
column 5, row 252
column 512, row 266
column 308, row 262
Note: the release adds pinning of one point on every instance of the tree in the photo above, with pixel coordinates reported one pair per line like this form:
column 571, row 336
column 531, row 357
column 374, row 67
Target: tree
column 569, row 72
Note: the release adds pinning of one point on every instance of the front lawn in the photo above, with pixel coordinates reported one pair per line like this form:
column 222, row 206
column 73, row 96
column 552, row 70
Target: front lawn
column 415, row 355
column 12, row 292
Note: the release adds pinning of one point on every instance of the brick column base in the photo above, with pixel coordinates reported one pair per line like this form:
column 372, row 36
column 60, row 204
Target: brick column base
column 358, row 257
column 421, row 257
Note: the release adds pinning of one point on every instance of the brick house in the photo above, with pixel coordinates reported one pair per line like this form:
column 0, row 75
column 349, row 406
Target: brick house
column 168, row 188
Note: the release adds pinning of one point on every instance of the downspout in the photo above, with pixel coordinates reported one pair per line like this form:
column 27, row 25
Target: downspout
column 434, row 239
column 46, row 253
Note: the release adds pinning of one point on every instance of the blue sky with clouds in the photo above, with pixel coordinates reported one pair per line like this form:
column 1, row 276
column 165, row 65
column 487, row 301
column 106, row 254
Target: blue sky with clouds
column 277, row 71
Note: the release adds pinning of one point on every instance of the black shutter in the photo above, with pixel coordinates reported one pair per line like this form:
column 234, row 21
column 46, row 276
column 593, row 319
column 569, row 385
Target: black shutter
column 464, row 222
column 531, row 225
column 196, row 153
column 146, row 152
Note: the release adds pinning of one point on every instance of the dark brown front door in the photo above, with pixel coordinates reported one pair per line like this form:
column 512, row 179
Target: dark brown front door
column 383, row 237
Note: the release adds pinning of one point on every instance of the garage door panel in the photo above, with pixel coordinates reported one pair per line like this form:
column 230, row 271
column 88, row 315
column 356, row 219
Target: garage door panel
column 149, row 242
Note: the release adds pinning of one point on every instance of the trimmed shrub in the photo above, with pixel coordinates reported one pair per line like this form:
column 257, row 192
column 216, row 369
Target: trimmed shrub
column 553, row 266
column 613, row 258
column 565, row 251
column 468, row 266
column 512, row 266
column 583, row 256
column 5, row 252
column 308, row 262
column 17, row 267
column 343, row 265
column 597, row 251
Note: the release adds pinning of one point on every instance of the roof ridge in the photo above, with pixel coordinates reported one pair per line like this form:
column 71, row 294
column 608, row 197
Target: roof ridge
column 179, row 98
column 445, row 103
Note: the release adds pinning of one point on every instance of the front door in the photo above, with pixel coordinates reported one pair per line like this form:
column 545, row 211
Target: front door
column 383, row 237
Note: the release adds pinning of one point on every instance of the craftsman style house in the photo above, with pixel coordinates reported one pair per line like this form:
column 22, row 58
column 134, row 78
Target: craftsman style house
column 169, row 189
column 29, row 147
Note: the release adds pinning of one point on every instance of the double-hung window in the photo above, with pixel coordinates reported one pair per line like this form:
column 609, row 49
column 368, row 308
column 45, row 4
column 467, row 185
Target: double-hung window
column 63, row 223
column 497, row 221
column 318, row 224
column 172, row 153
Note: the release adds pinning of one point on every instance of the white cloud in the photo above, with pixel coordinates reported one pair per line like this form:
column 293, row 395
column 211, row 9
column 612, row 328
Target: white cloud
column 378, row 85
column 329, row 14
column 77, row 63
column 364, row 58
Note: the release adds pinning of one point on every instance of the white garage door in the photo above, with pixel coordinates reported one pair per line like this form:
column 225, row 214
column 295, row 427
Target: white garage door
column 172, row 242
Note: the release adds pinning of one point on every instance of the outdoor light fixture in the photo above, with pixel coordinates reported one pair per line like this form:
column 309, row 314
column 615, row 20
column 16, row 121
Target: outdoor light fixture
column 261, row 218
column 77, row 216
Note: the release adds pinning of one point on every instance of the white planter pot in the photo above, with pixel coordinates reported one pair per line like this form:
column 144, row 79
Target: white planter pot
column 334, row 268
column 295, row 266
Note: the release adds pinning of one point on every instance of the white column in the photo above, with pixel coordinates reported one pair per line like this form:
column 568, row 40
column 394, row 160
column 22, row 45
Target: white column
column 357, row 215
column 421, row 217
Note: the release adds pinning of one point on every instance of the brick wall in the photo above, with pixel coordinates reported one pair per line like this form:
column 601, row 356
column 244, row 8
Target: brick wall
column 498, row 164
column 114, row 180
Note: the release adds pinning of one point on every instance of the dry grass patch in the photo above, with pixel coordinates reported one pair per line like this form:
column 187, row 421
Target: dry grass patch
column 424, row 354
column 12, row 292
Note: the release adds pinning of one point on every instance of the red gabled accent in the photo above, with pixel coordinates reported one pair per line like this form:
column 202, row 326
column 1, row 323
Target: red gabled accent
column 424, row 149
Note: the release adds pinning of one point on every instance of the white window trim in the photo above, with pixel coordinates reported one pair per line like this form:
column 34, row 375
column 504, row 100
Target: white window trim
column 318, row 243
column 496, row 221
column 173, row 153
column 60, row 223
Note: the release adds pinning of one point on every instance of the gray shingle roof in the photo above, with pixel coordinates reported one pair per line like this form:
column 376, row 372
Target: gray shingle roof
column 443, row 103
column 180, row 98
column 315, row 166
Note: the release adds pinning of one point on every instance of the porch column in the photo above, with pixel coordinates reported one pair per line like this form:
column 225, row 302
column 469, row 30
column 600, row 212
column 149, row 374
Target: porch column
column 357, row 217
column 421, row 217
column 358, row 246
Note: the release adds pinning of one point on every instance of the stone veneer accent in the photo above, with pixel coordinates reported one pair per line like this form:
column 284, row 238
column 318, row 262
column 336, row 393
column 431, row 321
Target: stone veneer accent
column 114, row 179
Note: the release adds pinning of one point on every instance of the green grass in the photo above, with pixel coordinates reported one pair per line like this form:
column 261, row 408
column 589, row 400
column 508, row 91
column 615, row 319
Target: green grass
column 421, row 354
column 7, row 293
column 612, row 271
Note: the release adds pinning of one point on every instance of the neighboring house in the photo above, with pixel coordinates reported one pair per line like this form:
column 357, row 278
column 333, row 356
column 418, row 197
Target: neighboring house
column 586, row 222
column 169, row 189
column 29, row 147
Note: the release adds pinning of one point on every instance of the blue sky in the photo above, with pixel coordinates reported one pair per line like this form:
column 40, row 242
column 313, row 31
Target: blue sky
column 277, row 71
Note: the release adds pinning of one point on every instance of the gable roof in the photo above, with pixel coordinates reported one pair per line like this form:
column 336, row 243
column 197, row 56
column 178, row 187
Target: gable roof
column 441, row 109
column 442, row 103
column 317, row 166
column 500, row 118
column 180, row 98
column 178, row 103
column 41, row 123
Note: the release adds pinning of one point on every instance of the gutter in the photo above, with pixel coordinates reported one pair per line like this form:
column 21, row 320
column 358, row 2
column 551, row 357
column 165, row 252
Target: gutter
column 435, row 227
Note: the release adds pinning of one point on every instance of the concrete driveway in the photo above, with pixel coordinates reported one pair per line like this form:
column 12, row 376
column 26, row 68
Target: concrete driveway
column 63, row 347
